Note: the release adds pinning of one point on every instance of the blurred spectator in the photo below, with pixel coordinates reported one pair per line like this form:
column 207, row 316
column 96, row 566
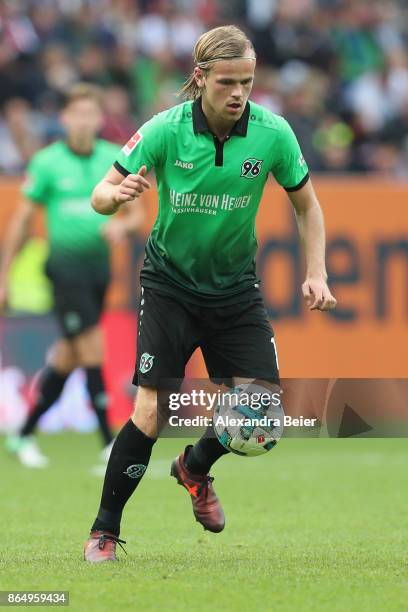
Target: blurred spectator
column 266, row 89
column 17, row 28
column 376, row 96
column 333, row 140
column 60, row 73
column 119, row 124
column 46, row 21
column 396, row 130
column 304, row 95
column 384, row 158
column 18, row 136
column 336, row 69
column 355, row 39
column 92, row 65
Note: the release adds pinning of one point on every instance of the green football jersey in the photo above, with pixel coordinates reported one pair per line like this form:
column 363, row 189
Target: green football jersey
column 203, row 243
column 62, row 181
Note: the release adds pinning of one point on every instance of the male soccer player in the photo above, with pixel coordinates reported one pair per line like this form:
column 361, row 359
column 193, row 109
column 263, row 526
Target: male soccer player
column 61, row 178
column 212, row 156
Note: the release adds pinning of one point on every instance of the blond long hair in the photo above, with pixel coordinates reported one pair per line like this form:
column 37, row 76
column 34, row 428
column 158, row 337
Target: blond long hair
column 225, row 42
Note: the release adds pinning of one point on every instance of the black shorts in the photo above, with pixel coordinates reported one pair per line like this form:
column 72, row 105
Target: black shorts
column 236, row 340
column 78, row 306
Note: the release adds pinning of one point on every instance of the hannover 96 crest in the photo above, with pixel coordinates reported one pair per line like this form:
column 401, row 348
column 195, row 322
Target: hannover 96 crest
column 251, row 168
column 146, row 363
column 135, row 471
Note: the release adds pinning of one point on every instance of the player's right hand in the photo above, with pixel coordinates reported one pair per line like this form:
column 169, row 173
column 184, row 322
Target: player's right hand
column 132, row 186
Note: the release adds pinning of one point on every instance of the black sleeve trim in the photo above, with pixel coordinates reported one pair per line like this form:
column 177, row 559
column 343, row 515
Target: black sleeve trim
column 301, row 184
column 121, row 169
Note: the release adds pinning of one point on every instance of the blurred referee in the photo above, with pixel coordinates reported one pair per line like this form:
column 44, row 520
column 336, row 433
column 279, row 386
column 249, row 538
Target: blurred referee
column 61, row 178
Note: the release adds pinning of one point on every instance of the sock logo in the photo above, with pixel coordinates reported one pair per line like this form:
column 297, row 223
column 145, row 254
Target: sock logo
column 135, row 471
column 101, row 400
column 72, row 321
column 146, row 363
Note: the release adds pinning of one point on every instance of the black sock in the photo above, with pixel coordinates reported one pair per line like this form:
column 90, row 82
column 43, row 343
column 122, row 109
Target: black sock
column 50, row 388
column 205, row 453
column 97, row 394
column 127, row 463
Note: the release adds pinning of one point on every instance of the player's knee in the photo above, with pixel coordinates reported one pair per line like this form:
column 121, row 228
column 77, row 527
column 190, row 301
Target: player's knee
column 145, row 411
column 61, row 357
column 146, row 404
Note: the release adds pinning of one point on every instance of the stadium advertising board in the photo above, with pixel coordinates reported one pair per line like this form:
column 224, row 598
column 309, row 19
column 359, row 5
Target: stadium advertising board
column 367, row 259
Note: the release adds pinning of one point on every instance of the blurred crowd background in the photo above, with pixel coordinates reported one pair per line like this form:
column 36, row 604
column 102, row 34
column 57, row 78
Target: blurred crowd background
column 336, row 69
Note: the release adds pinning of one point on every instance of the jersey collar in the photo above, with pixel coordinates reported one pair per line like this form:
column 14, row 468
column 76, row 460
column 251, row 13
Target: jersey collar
column 200, row 124
column 77, row 154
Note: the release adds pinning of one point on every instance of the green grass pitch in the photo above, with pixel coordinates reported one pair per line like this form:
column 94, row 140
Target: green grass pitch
column 316, row 524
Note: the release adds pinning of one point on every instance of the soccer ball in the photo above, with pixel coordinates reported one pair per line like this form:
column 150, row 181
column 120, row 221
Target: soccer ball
column 249, row 419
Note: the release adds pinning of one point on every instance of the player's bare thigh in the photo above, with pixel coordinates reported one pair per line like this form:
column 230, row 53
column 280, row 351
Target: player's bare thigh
column 88, row 347
column 61, row 356
column 85, row 350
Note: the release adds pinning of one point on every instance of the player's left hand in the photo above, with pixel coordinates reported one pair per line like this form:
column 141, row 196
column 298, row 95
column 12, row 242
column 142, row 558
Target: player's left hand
column 114, row 231
column 317, row 294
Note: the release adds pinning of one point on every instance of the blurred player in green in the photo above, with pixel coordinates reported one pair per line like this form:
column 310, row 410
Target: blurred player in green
column 212, row 156
column 61, row 178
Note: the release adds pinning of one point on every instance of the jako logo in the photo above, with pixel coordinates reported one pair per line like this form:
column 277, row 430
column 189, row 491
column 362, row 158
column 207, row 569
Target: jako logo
column 146, row 363
column 182, row 164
